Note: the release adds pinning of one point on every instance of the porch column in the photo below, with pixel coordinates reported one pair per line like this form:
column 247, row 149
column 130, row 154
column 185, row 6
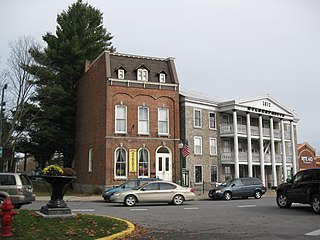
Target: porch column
column 262, row 170
column 236, row 147
column 284, row 154
column 293, row 147
column 249, row 145
column 273, row 154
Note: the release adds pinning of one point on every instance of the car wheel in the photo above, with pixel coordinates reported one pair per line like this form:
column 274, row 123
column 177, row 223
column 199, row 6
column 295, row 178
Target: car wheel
column 257, row 194
column 227, row 196
column 178, row 200
column 130, row 201
column 315, row 203
column 282, row 201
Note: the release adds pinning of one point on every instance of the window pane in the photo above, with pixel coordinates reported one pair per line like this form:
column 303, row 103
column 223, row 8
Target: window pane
column 214, row 174
column 163, row 121
column 121, row 119
column 143, row 120
column 213, row 146
column 198, row 174
column 160, row 164
column 212, row 120
column 197, row 118
column 121, row 162
column 143, row 162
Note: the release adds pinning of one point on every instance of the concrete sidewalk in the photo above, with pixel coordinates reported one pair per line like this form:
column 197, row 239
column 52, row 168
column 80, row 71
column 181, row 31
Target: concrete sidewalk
column 92, row 198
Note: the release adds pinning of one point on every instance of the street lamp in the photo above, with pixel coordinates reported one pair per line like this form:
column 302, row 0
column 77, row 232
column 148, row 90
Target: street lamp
column 181, row 177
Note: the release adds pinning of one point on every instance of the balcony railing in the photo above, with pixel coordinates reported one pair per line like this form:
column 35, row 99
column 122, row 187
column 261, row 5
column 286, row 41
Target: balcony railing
column 228, row 129
column 228, row 157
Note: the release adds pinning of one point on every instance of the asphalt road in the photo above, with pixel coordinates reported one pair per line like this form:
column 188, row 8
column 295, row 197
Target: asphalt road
column 209, row 219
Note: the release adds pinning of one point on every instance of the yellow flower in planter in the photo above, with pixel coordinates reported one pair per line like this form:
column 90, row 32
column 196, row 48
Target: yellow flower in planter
column 53, row 170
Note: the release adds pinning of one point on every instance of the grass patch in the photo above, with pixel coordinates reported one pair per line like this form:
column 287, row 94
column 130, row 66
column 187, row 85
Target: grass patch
column 28, row 225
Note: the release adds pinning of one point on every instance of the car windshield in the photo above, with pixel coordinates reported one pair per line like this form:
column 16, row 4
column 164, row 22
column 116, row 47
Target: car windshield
column 226, row 183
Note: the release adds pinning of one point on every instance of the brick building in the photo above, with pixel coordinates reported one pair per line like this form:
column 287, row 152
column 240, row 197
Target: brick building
column 307, row 157
column 127, row 120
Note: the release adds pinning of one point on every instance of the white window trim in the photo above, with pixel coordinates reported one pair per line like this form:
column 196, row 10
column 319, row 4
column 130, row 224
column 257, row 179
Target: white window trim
column 162, row 78
column 115, row 162
column 120, row 74
column 168, row 129
column 148, row 130
column 115, row 122
column 194, row 147
column 141, row 72
column 217, row 172
column 216, row 147
column 195, row 174
column 90, row 157
column 215, row 120
column 194, row 118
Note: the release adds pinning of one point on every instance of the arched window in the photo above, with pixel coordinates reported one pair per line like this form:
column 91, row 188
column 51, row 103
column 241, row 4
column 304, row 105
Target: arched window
column 120, row 163
column 144, row 163
column 90, row 151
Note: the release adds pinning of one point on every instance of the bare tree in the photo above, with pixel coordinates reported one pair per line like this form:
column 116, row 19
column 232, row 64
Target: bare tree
column 20, row 90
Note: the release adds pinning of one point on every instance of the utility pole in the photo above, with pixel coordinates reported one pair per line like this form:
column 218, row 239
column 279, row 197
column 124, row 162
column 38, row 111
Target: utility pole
column 1, row 116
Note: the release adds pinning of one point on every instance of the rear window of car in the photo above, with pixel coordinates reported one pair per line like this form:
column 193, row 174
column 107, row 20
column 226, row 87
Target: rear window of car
column 164, row 186
column 7, row 180
column 25, row 180
column 256, row 181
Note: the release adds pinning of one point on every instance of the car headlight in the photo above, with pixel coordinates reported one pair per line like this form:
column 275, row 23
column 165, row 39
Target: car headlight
column 116, row 194
column 218, row 191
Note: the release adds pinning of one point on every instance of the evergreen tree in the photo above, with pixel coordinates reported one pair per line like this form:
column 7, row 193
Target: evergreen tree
column 80, row 36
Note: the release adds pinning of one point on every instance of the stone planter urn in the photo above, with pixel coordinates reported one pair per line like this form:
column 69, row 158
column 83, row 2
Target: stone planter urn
column 59, row 185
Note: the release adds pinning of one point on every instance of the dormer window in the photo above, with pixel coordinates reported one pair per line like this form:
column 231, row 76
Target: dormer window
column 162, row 77
column 142, row 74
column 120, row 73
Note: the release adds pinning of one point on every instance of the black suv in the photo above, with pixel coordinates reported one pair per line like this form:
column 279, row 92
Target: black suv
column 304, row 188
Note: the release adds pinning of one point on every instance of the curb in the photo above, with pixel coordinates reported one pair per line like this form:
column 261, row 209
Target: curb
column 122, row 234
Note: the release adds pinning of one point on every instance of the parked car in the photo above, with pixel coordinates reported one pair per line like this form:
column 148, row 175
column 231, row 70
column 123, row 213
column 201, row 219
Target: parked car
column 19, row 188
column 127, row 185
column 154, row 192
column 238, row 187
column 303, row 188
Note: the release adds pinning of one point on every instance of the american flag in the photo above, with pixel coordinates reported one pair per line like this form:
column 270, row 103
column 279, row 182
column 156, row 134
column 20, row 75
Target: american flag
column 185, row 149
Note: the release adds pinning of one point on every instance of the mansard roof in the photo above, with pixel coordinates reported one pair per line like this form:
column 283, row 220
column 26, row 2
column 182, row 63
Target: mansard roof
column 154, row 65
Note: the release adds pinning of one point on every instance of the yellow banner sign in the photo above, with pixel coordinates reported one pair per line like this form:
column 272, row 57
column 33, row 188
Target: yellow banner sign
column 133, row 160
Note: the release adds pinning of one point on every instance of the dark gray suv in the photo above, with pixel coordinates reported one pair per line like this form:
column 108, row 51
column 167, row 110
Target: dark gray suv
column 303, row 188
column 238, row 187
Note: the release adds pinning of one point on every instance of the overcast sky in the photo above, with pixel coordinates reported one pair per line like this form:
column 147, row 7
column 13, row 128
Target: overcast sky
column 226, row 48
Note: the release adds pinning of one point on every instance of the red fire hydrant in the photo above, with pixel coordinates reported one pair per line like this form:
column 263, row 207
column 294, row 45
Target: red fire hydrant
column 6, row 218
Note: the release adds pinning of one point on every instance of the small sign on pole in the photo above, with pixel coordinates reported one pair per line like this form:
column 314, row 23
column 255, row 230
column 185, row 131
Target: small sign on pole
column 0, row 151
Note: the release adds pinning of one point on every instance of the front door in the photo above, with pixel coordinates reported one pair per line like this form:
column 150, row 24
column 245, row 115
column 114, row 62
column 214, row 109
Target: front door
column 164, row 166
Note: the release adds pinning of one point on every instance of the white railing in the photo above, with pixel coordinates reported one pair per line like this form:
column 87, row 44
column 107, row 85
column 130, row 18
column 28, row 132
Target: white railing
column 243, row 157
column 227, row 129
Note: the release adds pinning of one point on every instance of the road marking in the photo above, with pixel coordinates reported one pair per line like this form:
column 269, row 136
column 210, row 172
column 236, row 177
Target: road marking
column 139, row 209
column 244, row 206
column 191, row 208
column 314, row 233
column 82, row 210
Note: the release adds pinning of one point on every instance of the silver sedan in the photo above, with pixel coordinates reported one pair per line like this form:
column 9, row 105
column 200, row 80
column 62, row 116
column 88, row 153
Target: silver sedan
column 154, row 192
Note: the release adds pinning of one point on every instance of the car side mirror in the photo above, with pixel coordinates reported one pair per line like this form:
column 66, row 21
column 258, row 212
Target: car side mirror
column 143, row 189
column 123, row 187
column 232, row 185
column 289, row 180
